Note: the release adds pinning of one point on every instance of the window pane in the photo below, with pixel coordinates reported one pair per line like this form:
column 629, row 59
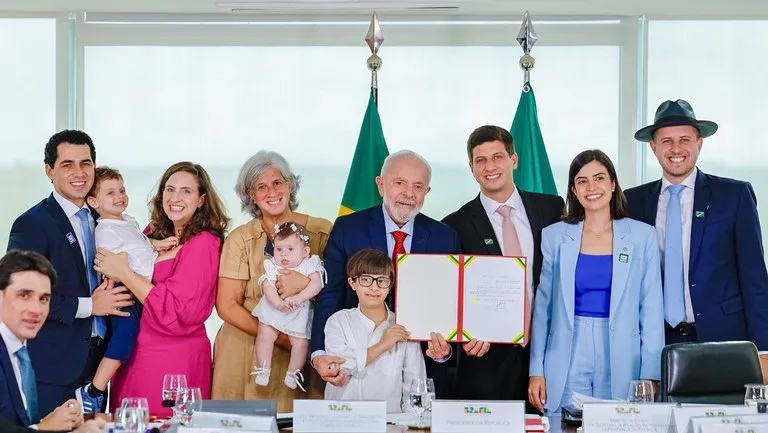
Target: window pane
column 148, row 107
column 716, row 66
column 28, row 107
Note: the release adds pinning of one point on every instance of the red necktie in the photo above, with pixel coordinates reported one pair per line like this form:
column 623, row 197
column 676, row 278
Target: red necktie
column 399, row 244
column 399, row 249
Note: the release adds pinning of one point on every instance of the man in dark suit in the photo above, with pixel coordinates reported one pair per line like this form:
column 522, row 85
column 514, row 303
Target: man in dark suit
column 501, row 220
column 25, row 295
column 71, row 343
column 394, row 227
column 715, row 280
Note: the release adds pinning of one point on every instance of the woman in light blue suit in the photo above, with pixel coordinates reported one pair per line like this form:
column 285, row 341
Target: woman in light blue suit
column 598, row 320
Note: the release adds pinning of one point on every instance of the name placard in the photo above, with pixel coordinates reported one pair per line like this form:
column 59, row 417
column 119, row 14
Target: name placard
column 327, row 416
column 214, row 422
column 627, row 417
column 681, row 416
column 477, row 416
column 734, row 428
column 698, row 421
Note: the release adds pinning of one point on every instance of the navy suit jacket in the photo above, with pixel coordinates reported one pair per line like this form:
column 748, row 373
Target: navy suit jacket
column 60, row 350
column 726, row 274
column 366, row 229
column 11, row 404
column 357, row 231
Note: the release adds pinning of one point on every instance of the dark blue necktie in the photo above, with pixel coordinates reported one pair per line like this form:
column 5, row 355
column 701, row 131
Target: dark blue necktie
column 28, row 384
column 674, row 281
column 90, row 256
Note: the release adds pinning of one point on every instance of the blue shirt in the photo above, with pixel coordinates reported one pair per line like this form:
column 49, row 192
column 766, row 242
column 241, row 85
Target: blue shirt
column 593, row 285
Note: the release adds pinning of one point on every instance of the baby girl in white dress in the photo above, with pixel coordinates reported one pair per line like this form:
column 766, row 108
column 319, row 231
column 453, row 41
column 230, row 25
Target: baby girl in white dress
column 291, row 316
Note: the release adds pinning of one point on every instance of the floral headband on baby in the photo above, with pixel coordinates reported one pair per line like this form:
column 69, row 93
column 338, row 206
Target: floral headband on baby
column 282, row 231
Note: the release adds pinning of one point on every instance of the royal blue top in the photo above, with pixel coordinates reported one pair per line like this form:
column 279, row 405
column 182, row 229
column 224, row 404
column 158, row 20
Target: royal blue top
column 593, row 285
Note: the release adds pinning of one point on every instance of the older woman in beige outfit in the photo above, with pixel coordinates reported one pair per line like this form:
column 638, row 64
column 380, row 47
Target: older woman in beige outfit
column 267, row 189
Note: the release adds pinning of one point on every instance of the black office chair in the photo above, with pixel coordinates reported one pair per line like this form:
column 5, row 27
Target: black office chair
column 709, row 373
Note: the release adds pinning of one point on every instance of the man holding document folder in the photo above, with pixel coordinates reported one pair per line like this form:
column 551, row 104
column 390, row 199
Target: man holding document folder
column 501, row 220
column 397, row 227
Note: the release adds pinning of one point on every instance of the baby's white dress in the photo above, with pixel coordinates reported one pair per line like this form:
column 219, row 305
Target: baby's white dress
column 296, row 323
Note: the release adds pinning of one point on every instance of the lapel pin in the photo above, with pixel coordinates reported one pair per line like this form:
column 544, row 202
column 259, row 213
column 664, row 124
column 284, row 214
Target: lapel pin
column 71, row 238
column 699, row 214
column 623, row 258
column 488, row 241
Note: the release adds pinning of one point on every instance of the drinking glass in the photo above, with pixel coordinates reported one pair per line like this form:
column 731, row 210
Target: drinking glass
column 172, row 384
column 188, row 401
column 130, row 420
column 418, row 398
column 757, row 395
column 431, row 392
column 139, row 403
column 640, row 391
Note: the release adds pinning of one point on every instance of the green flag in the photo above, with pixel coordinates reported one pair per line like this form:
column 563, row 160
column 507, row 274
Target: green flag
column 533, row 171
column 361, row 192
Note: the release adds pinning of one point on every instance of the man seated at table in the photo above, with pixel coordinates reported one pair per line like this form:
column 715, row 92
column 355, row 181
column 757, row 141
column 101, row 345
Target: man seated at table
column 25, row 294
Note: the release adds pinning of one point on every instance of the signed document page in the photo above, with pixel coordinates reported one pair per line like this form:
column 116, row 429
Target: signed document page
column 462, row 297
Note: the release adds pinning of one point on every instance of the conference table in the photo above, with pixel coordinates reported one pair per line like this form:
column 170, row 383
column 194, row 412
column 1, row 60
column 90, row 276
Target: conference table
column 555, row 426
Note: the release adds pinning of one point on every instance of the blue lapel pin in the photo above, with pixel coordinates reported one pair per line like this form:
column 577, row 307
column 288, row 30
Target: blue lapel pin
column 71, row 238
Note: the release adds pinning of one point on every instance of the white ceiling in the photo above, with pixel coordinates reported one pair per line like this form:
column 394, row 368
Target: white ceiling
column 653, row 8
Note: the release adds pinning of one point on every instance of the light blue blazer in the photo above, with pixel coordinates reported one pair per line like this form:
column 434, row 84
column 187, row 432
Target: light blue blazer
column 636, row 317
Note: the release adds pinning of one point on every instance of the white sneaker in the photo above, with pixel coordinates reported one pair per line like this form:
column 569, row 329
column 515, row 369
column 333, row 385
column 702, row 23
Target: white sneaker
column 293, row 379
column 262, row 375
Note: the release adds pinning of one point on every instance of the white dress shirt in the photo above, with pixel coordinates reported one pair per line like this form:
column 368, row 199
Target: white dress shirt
column 390, row 226
column 84, row 304
column 349, row 334
column 125, row 236
column 13, row 344
column 686, row 212
column 523, row 228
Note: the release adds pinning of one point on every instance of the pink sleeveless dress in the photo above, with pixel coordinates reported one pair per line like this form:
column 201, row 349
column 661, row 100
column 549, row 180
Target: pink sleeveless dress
column 172, row 337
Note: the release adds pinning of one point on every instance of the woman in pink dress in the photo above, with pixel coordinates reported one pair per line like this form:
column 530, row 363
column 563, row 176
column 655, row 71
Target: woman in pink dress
column 172, row 337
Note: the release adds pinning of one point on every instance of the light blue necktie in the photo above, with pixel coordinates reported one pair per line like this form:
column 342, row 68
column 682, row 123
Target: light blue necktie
column 90, row 256
column 674, row 281
column 28, row 384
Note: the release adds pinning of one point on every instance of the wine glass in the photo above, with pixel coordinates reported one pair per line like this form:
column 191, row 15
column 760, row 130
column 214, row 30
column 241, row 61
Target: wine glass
column 188, row 401
column 139, row 403
column 640, row 391
column 418, row 398
column 172, row 384
column 130, row 420
column 431, row 392
column 757, row 395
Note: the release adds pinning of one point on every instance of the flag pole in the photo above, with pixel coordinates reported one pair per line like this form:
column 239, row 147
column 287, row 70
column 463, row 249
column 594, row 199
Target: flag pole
column 374, row 39
column 527, row 38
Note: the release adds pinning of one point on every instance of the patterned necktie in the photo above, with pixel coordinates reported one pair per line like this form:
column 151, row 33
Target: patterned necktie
column 28, row 384
column 399, row 249
column 512, row 248
column 674, row 281
column 90, row 256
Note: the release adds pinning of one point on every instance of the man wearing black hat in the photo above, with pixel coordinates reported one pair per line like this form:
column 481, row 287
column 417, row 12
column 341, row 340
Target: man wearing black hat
column 715, row 280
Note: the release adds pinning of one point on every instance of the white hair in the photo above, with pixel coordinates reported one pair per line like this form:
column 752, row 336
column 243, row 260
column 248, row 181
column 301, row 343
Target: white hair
column 405, row 153
column 252, row 170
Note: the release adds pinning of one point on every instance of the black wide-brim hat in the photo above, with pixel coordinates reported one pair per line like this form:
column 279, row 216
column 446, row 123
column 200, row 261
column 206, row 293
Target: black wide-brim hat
column 676, row 113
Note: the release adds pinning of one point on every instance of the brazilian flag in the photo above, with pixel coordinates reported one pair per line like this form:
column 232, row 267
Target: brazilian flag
column 533, row 172
column 361, row 192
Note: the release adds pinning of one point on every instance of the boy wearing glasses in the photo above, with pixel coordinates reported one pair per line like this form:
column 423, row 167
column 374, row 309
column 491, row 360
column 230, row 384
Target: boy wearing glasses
column 379, row 362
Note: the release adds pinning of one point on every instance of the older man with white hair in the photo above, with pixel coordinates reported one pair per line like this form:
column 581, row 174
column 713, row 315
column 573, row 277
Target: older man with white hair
column 396, row 226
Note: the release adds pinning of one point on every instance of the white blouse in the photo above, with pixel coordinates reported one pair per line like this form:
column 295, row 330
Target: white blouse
column 349, row 334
